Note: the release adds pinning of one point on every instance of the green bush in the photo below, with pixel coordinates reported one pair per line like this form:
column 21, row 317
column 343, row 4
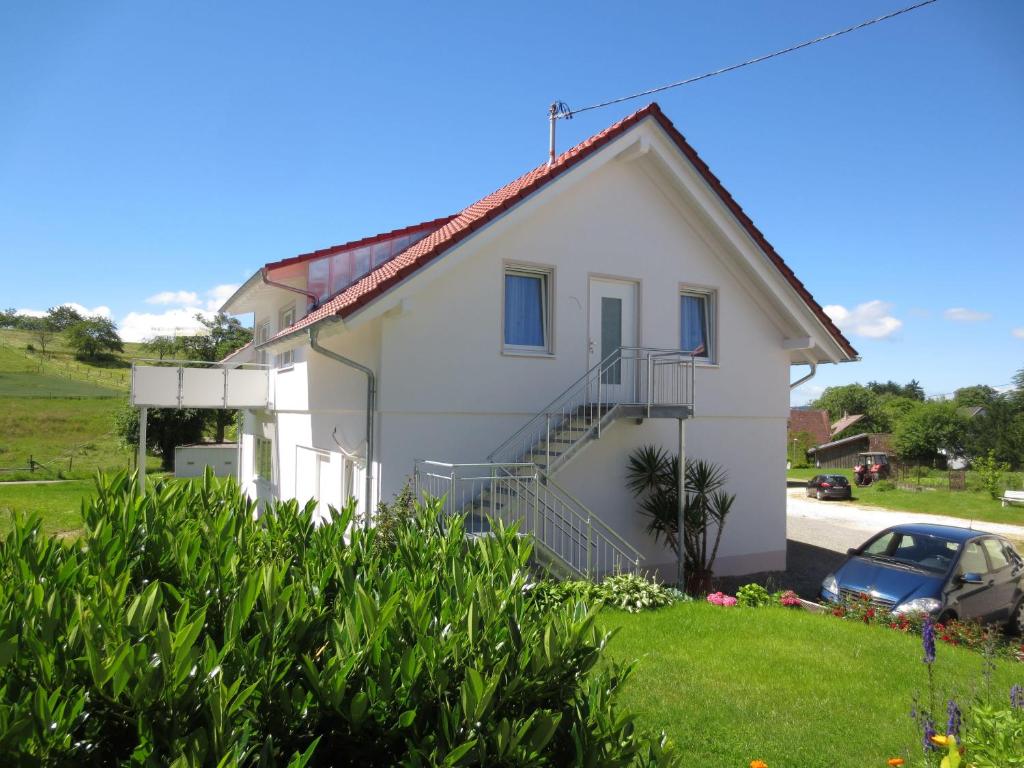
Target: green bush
column 180, row 629
column 883, row 486
column 754, row 596
column 626, row 591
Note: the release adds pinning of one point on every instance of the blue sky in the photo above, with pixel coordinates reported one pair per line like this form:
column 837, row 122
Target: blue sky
column 153, row 154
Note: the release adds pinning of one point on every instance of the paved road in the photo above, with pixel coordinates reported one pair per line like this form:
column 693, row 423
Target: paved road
column 819, row 533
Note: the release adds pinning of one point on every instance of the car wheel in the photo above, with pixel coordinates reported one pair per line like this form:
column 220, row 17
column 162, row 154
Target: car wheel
column 945, row 617
column 1017, row 619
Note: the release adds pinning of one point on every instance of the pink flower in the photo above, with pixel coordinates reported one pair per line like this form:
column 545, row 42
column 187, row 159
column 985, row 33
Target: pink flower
column 719, row 598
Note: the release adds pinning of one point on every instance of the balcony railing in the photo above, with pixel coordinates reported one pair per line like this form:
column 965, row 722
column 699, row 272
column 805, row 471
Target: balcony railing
column 198, row 384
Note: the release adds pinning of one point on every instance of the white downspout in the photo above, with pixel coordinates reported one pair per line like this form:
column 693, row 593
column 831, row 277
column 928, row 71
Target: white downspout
column 371, row 397
column 805, row 379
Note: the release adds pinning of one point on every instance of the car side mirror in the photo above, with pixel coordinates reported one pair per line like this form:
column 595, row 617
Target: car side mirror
column 970, row 578
column 852, row 551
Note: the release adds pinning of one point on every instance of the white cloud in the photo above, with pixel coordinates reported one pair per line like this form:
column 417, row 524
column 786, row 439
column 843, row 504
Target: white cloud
column 139, row 326
column 964, row 315
column 175, row 298
column 871, row 319
column 217, row 295
column 1018, row 332
column 805, row 394
column 100, row 311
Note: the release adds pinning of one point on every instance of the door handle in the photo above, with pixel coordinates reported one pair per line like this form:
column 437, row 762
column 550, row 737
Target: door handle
column 590, row 346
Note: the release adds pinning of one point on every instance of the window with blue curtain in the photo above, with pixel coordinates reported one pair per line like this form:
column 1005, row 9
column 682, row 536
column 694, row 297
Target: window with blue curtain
column 526, row 309
column 694, row 319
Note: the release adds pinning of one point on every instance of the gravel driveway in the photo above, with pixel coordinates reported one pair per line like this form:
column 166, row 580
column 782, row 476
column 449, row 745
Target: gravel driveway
column 818, row 534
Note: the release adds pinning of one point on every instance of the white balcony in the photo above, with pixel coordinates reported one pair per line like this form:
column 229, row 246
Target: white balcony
column 194, row 384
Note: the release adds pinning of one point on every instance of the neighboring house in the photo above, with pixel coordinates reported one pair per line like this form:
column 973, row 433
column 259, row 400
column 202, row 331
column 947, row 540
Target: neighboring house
column 842, row 454
column 583, row 284
column 847, row 421
column 812, row 422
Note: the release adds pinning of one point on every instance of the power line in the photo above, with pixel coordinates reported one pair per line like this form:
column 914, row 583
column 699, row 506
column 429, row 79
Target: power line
column 568, row 113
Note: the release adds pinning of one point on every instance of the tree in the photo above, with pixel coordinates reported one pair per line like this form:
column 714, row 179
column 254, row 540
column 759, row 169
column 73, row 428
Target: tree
column 166, row 428
column 162, row 346
column 911, row 390
column 43, row 333
column 94, row 336
column 851, row 399
column 929, row 429
column 977, row 394
column 63, row 317
column 999, row 431
column 223, row 336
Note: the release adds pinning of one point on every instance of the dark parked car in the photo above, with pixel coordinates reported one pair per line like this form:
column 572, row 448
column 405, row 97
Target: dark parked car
column 940, row 570
column 829, row 487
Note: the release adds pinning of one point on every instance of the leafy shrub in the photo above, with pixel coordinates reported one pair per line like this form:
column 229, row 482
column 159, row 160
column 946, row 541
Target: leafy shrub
column 30, row 347
column 882, row 486
column 392, row 518
column 991, row 473
column 627, row 591
column 633, row 593
column 753, row 596
column 995, row 738
column 180, row 628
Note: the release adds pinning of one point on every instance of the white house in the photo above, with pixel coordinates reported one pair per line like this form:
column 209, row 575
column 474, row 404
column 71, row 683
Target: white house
column 452, row 337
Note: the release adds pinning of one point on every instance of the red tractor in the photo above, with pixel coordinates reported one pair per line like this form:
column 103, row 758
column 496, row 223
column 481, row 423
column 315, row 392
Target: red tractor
column 870, row 467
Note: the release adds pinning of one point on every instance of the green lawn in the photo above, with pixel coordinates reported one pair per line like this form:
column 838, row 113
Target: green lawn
column 112, row 372
column 935, row 499
column 58, row 504
column 788, row 687
column 72, row 437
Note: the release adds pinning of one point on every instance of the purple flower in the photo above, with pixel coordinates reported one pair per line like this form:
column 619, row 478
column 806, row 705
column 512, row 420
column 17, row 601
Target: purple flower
column 928, row 640
column 929, row 731
column 954, row 721
column 1017, row 697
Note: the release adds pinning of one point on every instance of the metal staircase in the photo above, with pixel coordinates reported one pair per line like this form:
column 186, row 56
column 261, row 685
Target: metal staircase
column 631, row 382
column 515, row 485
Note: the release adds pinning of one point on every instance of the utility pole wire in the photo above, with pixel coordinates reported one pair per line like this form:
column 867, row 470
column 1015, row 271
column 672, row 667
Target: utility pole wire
column 570, row 113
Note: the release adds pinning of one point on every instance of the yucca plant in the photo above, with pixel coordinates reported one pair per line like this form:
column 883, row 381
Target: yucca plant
column 653, row 477
column 183, row 629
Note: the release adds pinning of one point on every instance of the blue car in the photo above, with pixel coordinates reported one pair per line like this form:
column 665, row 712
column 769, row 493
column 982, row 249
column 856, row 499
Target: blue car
column 941, row 570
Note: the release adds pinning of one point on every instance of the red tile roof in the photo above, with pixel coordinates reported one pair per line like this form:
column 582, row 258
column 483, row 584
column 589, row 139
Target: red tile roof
column 493, row 205
column 813, row 421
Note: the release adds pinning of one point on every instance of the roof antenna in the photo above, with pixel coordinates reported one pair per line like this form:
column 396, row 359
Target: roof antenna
column 556, row 110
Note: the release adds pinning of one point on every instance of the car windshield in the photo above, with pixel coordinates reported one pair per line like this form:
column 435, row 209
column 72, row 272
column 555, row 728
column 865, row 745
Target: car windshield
column 916, row 550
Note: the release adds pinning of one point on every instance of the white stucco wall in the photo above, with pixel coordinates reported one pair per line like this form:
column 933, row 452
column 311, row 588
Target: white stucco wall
column 447, row 392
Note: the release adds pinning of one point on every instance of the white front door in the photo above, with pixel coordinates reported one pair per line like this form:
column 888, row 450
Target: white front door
column 613, row 324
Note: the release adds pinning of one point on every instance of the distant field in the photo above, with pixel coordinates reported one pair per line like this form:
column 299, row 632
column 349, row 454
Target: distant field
column 59, row 505
column 59, row 361
column 72, row 437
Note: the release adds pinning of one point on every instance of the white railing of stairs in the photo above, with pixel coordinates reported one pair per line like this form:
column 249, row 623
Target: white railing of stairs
column 565, row 532
column 642, row 379
column 515, row 484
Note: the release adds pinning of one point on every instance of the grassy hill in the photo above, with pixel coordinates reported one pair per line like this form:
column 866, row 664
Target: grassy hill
column 59, row 411
column 19, row 353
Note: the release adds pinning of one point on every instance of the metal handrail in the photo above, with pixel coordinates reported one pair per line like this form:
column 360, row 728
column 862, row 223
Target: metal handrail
column 583, row 508
column 579, row 391
column 173, row 363
column 560, row 522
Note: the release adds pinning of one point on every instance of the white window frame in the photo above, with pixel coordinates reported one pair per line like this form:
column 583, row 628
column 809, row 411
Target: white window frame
column 262, row 337
column 267, row 444
column 286, row 359
column 547, row 276
column 710, row 296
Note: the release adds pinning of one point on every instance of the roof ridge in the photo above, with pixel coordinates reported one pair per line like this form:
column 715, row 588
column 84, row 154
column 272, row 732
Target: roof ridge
column 479, row 213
